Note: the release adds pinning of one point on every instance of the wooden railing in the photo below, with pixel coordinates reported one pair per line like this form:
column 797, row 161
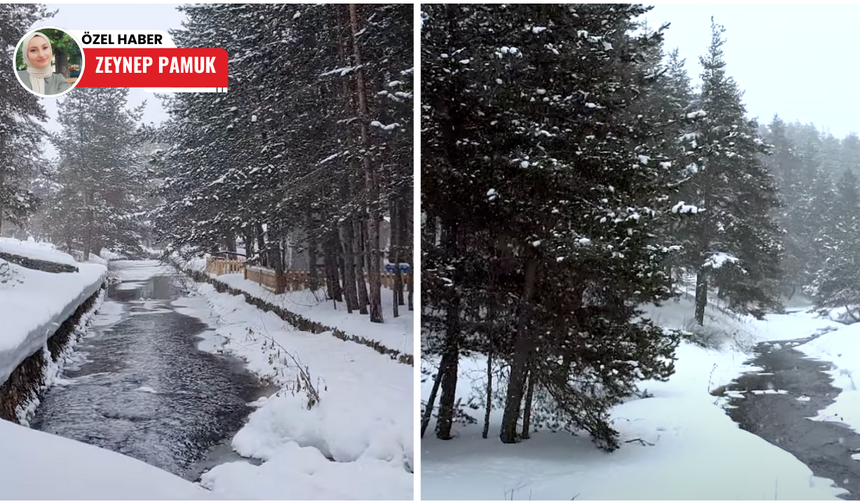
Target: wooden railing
column 219, row 266
column 293, row 280
column 300, row 280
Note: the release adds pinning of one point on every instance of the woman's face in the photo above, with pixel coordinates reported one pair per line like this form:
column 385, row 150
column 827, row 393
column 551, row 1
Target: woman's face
column 39, row 52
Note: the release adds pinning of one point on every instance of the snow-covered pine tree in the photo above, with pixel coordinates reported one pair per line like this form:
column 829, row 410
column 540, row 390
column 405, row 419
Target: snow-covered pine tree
column 280, row 160
column 786, row 167
column 838, row 282
column 100, row 203
column 731, row 242
column 542, row 176
column 21, row 134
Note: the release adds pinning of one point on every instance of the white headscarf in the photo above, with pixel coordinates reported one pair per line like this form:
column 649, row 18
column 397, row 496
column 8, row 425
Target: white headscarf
column 37, row 75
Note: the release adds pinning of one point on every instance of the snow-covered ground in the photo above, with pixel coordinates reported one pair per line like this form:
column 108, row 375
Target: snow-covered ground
column 842, row 349
column 34, row 303
column 35, row 250
column 41, row 466
column 395, row 333
column 355, row 443
column 689, row 448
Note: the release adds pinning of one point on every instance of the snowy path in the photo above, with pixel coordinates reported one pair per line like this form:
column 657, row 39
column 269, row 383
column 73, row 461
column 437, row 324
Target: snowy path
column 141, row 387
column 778, row 402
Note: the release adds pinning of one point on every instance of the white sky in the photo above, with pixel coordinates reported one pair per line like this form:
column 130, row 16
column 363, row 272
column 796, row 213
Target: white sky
column 796, row 60
column 113, row 17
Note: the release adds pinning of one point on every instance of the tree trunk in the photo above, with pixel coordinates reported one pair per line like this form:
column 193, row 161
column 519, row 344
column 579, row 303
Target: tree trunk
column 448, row 368
column 406, row 249
column 522, row 348
column 331, row 266
column 313, row 273
column 248, row 238
column 346, row 243
column 431, row 401
column 261, row 244
column 90, row 225
column 274, row 257
column 360, row 283
column 527, row 414
column 486, row 431
column 701, row 296
column 230, row 243
column 372, row 184
column 397, row 298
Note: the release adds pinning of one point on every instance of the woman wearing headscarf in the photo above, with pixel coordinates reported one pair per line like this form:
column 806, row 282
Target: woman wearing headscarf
column 40, row 75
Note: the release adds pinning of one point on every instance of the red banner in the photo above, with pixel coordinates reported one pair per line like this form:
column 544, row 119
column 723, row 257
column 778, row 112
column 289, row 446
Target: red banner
column 154, row 68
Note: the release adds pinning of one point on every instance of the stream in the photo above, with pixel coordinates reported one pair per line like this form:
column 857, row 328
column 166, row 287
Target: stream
column 140, row 385
column 777, row 402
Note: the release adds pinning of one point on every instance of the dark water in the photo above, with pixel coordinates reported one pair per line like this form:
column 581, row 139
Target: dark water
column 782, row 420
column 192, row 402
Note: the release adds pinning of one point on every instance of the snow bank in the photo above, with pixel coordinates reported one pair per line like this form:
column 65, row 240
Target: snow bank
column 196, row 263
column 34, row 250
column 741, row 332
column 97, row 259
column 41, row 466
column 776, row 327
column 110, row 255
column 363, row 422
column 138, row 271
column 678, row 444
column 33, row 304
column 842, row 349
column 395, row 333
column 689, row 449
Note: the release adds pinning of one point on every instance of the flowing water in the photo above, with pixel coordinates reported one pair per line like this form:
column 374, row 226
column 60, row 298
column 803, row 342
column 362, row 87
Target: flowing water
column 782, row 418
column 142, row 387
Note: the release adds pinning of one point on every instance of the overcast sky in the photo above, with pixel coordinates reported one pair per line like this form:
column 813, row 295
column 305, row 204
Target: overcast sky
column 796, row 60
column 113, row 17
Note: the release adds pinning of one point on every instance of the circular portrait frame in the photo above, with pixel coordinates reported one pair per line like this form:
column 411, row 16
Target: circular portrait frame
column 72, row 38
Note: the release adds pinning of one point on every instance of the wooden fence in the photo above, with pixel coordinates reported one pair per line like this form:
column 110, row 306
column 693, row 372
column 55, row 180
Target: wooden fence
column 218, row 266
column 293, row 281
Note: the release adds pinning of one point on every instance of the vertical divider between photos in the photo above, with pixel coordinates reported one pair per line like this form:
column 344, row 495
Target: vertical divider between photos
column 416, row 248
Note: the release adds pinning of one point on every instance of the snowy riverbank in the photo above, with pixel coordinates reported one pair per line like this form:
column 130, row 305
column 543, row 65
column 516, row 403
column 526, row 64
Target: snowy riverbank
column 36, row 465
column 355, row 443
column 34, row 303
column 395, row 333
column 842, row 349
column 678, row 444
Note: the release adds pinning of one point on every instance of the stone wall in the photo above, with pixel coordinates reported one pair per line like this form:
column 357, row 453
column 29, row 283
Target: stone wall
column 28, row 380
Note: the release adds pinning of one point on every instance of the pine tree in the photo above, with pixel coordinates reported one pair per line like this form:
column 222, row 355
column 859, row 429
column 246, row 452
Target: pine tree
column 542, row 182
column 281, row 161
column 732, row 242
column 20, row 115
column 838, row 282
column 100, row 203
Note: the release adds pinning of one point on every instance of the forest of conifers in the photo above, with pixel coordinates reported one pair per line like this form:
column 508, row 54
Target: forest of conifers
column 572, row 171
column 309, row 154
